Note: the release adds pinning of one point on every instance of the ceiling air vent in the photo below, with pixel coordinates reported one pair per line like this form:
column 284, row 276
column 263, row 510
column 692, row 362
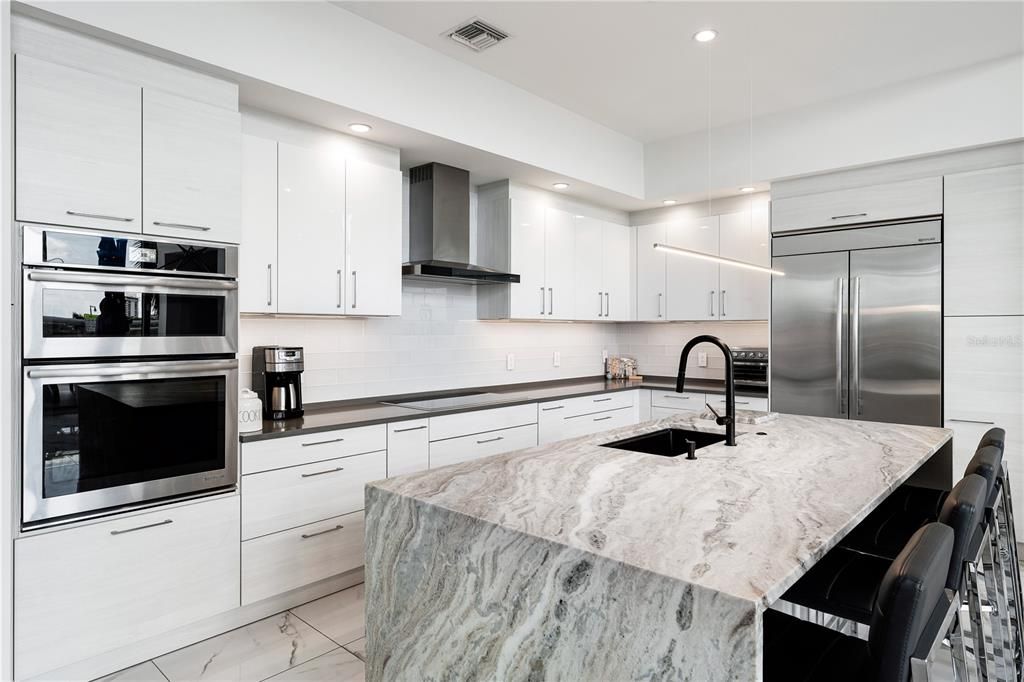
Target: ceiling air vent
column 476, row 35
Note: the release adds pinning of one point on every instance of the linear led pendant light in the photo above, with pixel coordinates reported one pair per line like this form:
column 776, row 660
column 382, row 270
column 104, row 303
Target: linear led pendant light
column 679, row 251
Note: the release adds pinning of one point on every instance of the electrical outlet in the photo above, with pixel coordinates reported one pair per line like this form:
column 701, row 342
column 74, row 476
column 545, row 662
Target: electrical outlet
column 702, row 359
column 557, row 359
column 510, row 361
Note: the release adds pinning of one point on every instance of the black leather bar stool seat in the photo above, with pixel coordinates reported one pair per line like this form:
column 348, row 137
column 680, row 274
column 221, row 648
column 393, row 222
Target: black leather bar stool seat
column 845, row 583
column 905, row 614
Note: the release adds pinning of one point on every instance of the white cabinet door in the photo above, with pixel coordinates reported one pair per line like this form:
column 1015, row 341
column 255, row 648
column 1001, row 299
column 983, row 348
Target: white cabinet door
column 617, row 274
column 744, row 294
column 983, row 374
column 257, row 254
column 135, row 576
column 191, row 168
column 408, row 447
column 589, row 270
column 78, row 145
column 311, row 231
column 692, row 282
column 560, row 263
column 984, row 242
column 477, row 446
column 373, row 233
column 529, row 296
column 650, row 273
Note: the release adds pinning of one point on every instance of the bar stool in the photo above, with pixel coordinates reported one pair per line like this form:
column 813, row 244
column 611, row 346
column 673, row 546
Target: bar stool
column 908, row 617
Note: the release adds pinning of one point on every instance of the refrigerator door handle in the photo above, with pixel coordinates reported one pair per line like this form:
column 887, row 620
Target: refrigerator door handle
column 840, row 393
column 855, row 346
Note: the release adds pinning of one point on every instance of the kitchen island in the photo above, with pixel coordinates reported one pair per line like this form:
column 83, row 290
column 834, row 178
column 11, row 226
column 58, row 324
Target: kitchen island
column 577, row 561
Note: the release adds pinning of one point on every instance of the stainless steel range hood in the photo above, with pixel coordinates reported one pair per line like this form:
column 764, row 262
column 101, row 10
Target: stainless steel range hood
column 439, row 228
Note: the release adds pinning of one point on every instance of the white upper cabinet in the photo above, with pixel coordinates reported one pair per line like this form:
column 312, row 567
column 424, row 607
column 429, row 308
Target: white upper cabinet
column 617, row 272
column 560, row 264
column 602, row 272
column 373, row 207
column 528, row 298
column 191, row 168
column 693, row 283
column 257, row 256
column 78, row 148
column 983, row 233
column 650, row 273
column 744, row 236
column 311, row 231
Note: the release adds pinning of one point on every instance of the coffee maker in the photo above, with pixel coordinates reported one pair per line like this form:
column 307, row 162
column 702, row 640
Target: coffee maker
column 277, row 380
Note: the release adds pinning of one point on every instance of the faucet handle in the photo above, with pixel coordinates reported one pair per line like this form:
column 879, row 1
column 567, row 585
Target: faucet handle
column 719, row 419
column 713, row 411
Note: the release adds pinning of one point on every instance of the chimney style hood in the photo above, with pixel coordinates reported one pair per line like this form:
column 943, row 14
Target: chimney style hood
column 439, row 228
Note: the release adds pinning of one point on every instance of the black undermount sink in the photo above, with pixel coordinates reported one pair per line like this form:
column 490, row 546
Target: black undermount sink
column 668, row 442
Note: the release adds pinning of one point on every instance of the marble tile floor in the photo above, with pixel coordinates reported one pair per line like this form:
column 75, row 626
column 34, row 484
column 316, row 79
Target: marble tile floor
column 318, row 641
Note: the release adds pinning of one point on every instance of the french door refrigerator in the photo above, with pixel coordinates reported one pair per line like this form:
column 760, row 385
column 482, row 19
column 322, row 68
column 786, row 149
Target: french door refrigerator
column 857, row 323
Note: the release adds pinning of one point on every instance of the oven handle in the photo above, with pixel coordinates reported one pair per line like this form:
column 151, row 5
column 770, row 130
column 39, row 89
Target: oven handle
column 131, row 280
column 121, row 370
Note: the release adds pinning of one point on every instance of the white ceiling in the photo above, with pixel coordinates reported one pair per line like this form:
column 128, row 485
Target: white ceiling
column 633, row 66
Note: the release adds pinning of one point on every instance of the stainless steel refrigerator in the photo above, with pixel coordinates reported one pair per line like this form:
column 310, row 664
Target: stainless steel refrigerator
column 856, row 326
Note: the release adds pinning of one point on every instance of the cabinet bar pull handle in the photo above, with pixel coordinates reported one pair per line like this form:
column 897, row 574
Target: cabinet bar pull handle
column 711, row 303
column 600, row 305
column 270, row 284
column 148, row 525
column 659, row 304
column 542, row 302
column 601, row 400
column 849, row 215
column 306, row 536
column 100, row 216
column 601, row 419
column 607, row 305
column 738, row 402
column 355, row 291
column 183, row 226
column 322, row 442
column 721, row 299
column 411, row 428
column 548, row 409
column 971, row 421
column 677, row 397
column 551, row 302
column 339, row 288
column 490, row 440
column 321, row 473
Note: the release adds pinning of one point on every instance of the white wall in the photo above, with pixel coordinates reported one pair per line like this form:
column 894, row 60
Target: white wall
column 323, row 51
column 979, row 105
column 657, row 346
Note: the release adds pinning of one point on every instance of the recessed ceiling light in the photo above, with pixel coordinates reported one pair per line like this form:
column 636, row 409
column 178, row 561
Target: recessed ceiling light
column 746, row 189
column 705, row 35
column 669, row 202
column 561, row 185
column 359, row 127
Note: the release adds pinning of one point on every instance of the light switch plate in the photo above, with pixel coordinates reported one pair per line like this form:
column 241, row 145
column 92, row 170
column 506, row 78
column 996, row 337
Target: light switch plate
column 557, row 359
column 510, row 361
column 702, row 359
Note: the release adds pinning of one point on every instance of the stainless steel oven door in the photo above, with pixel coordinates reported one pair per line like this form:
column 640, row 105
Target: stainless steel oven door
column 101, row 436
column 71, row 314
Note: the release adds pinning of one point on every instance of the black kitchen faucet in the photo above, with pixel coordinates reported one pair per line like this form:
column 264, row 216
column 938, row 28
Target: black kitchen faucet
column 729, row 419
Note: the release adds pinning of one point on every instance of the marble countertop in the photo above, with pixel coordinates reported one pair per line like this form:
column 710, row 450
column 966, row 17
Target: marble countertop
column 363, row 412
column 744, row 521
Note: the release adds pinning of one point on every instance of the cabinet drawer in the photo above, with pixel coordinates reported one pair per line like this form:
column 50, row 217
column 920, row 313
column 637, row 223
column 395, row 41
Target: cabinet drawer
column 84, row 591
column 454, row 450
column 572, row 407
column 585, row 424
column 275, row 564
column 678, row 401
column 278, row 453
column 286, row 498
column 906, row 199
column 479, row 421
column 408, row 447
column 742, row 403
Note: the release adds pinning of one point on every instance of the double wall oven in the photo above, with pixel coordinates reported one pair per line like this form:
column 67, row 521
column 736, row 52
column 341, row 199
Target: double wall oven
column 130, row 375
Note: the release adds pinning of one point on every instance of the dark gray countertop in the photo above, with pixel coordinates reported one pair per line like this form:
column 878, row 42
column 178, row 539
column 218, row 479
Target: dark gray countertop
column 367, row 411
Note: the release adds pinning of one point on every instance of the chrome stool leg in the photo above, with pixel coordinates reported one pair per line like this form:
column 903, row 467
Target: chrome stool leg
column 995, row 588
column 979, row 624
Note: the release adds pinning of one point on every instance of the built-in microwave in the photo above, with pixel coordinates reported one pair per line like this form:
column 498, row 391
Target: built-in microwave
column 91, row 294
column 98, row 436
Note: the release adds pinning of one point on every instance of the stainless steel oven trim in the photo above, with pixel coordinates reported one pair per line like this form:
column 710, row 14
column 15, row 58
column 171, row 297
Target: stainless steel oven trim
column 32, row 251
column 36, row 346
column 36, row 508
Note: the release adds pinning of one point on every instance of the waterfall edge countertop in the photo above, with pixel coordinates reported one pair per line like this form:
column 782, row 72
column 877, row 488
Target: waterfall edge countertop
column 598, row 563
column 366, row 411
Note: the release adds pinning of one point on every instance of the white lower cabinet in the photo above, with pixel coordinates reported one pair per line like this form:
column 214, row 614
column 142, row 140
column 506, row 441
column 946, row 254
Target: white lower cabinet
column 408, row 447
column 742, row 403
column 575, row 417
column 276, row 563
column 688, row 400
column 83, row 591
column 670, row 403
column 479, row 445
column 286, row 498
